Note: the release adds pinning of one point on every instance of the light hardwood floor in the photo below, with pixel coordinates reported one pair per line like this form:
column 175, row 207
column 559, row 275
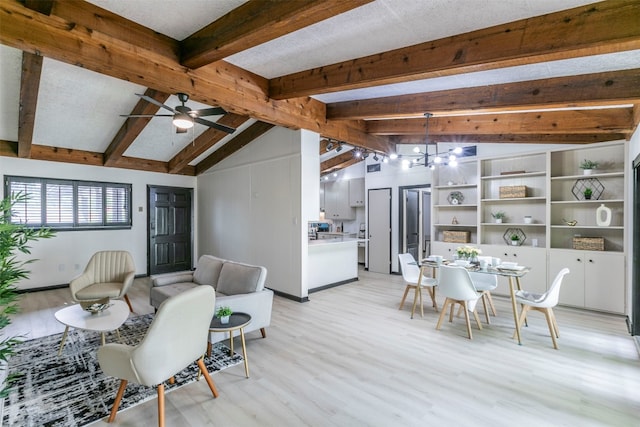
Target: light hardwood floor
column 349, row 357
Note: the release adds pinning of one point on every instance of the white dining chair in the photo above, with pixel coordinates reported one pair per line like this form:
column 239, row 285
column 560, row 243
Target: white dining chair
column 544, row 303
column 485, row 283
column 411, row 273
column 455, row 284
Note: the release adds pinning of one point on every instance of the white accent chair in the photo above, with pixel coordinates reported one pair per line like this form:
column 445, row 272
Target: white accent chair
column 485, row 283
column 455, row 284
column 544, row 303
column 109, row 274
column 412, row 277
column 176, row 338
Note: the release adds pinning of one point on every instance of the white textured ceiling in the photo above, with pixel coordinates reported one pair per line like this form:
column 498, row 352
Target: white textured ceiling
column 81, row 109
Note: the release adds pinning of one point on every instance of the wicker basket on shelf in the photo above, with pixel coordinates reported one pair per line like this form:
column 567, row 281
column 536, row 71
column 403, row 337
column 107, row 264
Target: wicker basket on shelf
column 513, row 191
column 456, row 236
column 588, row 243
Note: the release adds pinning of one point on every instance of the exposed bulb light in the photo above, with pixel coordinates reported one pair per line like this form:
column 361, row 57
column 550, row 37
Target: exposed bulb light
column 357, row 154
column 183, row 121
column 393, row 156
column 335, row 174
column 437, row 159
column 452, row 158
column 416, row 149
column 406, row 164
column 457, row 150
column 453, row 163
column 385, row 160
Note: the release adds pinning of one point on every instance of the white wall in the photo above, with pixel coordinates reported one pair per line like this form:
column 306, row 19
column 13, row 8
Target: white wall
column 63, row 257
column 254, row 206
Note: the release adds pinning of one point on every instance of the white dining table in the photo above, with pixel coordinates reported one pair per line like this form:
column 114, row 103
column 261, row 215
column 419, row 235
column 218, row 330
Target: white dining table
column 513, row 273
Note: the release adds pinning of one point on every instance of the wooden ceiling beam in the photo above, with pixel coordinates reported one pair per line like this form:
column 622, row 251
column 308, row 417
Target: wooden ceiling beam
column 605, row 27
column 598, row 89
column 29, row 88
column 256, row 22
column 350, row 162
column 336, row 161
column 133, row 126
column 206, row 140
column 74, row 40
column 510, row 138
column 611, row 120
column 252, row 132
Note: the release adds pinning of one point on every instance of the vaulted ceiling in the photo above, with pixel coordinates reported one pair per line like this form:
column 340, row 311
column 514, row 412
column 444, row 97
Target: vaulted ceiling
column 359, row 71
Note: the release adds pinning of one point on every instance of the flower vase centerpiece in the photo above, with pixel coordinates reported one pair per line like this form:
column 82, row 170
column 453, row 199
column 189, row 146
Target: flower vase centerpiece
column 469, row 253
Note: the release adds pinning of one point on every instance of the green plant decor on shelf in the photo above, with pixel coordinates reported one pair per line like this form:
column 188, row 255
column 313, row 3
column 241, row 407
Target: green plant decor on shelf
column 588, row 164
column 515, row 238
column 587, row 193
column 14, row 238
column 223, row 311
column 499, row 215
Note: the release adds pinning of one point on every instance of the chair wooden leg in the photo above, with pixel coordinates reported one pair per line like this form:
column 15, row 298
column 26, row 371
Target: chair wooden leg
column 484, row 304
column 421, row 303
column 466, row 318
column 404, row 297
column 263, row 331
column 433, row 298
column 523, row 316
column 207, row 377
column 116, row 402
column 475, row 315
column 555, row 323
column 160, row 405
column 126, row 298
column 493, row 307
column 552, row 331
column 443, row 312
column 451, row 311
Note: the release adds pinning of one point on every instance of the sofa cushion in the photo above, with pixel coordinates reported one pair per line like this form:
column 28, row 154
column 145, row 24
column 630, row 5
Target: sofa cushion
column 236, row 278
column 208, row 270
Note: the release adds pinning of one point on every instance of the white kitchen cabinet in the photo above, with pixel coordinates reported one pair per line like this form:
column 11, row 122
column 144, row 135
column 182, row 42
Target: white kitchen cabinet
column 336, row 201
column 356, row 192
column 534, row 258
column 596, row 279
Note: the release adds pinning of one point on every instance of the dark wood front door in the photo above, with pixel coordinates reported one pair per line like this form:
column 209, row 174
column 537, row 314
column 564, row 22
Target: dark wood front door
column 170, row 229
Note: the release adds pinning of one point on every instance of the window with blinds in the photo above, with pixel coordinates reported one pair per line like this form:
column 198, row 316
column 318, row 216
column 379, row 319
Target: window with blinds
column 71, row 205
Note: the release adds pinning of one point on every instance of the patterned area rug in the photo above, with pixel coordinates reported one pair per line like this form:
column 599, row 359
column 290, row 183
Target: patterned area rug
column 71, row 390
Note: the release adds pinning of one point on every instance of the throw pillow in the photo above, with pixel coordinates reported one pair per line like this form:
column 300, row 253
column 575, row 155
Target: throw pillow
column 239, row 279
column 208, row 270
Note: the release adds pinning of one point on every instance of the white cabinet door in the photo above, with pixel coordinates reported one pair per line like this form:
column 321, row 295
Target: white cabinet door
column 447, row 250
column 322, row 208
column 572, row 290
column 604, row 281
column 356, row 192
column 596, row 279
column 336, row 201
column 534, row 258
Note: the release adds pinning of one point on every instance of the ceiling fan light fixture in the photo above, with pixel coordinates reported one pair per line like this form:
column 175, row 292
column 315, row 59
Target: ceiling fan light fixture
column 183, row 121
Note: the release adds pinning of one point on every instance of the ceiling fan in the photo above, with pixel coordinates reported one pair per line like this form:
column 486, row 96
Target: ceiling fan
column 183, row 116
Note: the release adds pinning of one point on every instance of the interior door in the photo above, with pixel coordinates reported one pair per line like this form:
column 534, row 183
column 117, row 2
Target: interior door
column 411, row 223
column 426, row 224
column 170, row 229
column 380, row 230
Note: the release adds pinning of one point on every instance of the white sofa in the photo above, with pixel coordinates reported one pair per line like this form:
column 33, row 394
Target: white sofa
column 239, row 286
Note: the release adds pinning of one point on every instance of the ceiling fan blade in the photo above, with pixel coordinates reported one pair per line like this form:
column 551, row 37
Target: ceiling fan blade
column 146, row 115
column 214, row 125
column 153, row 101
column 214, row 111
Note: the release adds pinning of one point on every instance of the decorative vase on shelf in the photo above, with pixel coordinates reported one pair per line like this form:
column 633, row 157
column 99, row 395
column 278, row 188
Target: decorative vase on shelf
column 224, row 320
column 586, row 171
column 498, row 220
column 603, row 216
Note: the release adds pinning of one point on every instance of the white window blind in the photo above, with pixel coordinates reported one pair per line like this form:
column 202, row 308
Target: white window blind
column 66, row 204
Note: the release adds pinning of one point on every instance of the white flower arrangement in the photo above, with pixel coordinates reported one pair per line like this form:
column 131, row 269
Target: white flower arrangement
column 467, row 251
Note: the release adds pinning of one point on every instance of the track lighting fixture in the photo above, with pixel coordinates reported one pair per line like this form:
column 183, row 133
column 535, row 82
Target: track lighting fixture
column 339, row 148
column 329, row 146
column 375, row 156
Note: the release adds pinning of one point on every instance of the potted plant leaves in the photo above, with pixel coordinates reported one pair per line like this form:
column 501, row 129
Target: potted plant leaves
column 499, row 216
column 587, row 166
column 223, row 313
column 515, row 239
column 587, row 193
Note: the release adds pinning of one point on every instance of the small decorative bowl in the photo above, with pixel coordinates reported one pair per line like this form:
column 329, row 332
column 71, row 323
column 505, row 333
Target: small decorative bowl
column 96, row 306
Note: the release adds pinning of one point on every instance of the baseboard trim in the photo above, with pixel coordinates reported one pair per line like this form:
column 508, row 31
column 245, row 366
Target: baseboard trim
column 63, row 285
column 333, row 285
column 289, row 296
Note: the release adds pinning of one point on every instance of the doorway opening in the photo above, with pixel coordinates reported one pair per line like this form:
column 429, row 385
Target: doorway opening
column 634, row 319
column 415, row 220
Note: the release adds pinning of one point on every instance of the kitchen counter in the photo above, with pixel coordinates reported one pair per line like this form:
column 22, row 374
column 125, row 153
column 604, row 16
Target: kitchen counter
column 332, row 262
